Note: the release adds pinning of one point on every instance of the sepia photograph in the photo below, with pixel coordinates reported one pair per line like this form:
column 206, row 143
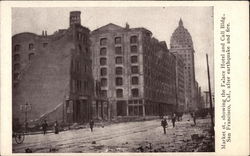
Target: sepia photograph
column 113, row 79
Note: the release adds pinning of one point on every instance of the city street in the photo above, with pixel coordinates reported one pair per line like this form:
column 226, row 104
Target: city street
column 144, row 136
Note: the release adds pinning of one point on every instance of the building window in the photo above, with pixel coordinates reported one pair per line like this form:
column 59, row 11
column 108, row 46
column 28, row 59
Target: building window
column 104, row 93
column 118, row 40
column 17, row 47
column 133, row 39
column 118, row 50
column 119, row 93
column 104, row 82
column 135, row 92
column 103, row 41
column 135, row 80
column 87, row 51
column 103, row 61
column 85, row 85
column 118, row 60
column 134, row 59
column 80, row 47
column 118, row 81
column 45, row 45
column 31, row 46
column 16, row 57
column 103, row 51
column 31, row 55
column 134, row 69
column 103, row 71
column 17, row 66
column 133, row 49
column 118, row 70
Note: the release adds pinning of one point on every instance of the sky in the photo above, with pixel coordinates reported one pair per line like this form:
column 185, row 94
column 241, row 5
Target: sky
column 161, row 21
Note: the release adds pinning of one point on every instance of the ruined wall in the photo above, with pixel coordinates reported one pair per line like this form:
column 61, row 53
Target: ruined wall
column 44, row 81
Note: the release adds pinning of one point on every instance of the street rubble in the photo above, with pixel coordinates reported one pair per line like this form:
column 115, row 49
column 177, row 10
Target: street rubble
column 139, row 136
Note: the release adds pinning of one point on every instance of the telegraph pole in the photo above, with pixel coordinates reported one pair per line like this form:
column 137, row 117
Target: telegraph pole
column 210, row 96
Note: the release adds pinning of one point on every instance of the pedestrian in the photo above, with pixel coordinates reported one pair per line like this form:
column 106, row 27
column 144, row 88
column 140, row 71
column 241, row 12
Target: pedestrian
column 173, row 119
column 91, row 125
column 194, row 118
column 56, row 127
column 164, row 124
column 44, row 126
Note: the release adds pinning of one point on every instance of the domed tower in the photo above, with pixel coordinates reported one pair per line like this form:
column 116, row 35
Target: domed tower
column 181, row 44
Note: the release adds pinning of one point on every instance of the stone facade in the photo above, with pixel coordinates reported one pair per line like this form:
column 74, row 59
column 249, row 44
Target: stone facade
column 136, row 73
column 181, row 43
column 53, row 73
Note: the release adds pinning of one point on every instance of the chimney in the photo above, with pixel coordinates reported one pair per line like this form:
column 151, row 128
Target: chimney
column 75, row 18
column 43, row 33
column 127, row 26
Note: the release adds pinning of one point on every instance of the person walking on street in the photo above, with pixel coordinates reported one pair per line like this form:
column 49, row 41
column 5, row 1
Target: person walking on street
column 194, row 118
column 164, row 124
column 91, row 125
column 56, row 127
column 44, row 126
column 173, row 119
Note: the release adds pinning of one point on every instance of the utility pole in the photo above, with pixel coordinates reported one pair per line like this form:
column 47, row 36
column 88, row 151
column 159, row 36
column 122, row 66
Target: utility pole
column 210, row 96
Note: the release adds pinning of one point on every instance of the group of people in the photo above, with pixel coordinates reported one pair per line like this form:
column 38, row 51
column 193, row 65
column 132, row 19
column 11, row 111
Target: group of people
column 56, row 126
column 164, row 122
column 45, row 126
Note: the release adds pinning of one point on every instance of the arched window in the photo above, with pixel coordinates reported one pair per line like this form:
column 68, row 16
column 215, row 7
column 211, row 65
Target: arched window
column 17, row 47
column 104, row 93
column 119, row 93
column 103, row 41
column 103, row 61
column 103, row 82
column 134, row 69
column 31, row 55
column 31, row 46
column 118, row 60
column 16, row 57
column 133, row 39
column 134, row 59
column 103, row 51
column 118, row 81
column 103, row 71
column 135, row 92
column 118, row 70
column 133, row 49
column 16, row 66
column 135, row 80
column 118, row 40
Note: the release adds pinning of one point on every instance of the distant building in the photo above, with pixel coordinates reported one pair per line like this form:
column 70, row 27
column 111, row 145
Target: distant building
column 181, row 43
column 135, row 71
column 53, row 73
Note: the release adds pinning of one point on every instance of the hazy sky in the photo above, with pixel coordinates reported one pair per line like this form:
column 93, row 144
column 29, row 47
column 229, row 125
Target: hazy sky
column 161, row 21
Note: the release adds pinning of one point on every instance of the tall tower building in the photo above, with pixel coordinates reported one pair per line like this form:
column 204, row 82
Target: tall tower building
column 181, row 44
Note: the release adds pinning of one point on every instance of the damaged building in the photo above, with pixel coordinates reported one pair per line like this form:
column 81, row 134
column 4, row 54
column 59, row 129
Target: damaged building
column 52, row 74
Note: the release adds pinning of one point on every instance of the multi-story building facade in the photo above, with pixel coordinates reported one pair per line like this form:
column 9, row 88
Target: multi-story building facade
column 180, row 82
column 135, row 71
column 53, row 74
column 181, row 43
